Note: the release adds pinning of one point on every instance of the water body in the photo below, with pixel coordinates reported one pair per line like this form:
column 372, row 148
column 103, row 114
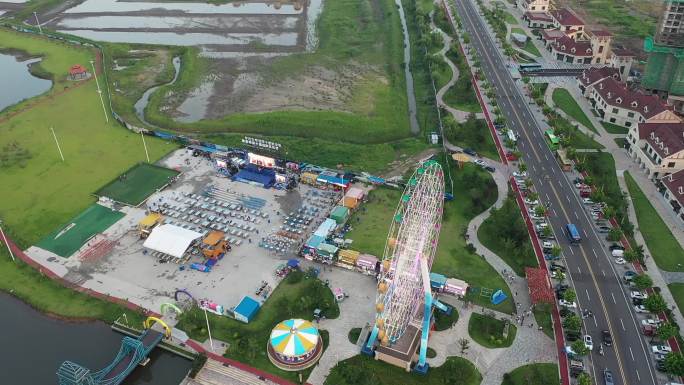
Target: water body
column 313, row 11
column 171, row 22
column 288, row 39
column 115, row 6
column 194, row 107
column 15, row 76
column 411, row 96
column 34, row 346
column 142, row 102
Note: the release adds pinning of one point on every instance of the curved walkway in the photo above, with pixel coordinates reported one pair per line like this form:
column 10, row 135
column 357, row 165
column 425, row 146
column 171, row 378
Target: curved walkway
column 459, row 115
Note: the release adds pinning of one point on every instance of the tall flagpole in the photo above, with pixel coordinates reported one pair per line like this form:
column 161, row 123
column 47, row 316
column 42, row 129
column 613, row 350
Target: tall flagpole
column 4, row 238
column 211, row 341
column 57, row 142
column 145, row 145
column 99, row 91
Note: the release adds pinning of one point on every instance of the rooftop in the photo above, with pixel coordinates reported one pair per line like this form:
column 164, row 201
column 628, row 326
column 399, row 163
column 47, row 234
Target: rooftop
column 618, row 95
column 569, row 46
column 566, row 17
column 538, row 16
column 665, row 138
column 593, row 74
column 675, row 183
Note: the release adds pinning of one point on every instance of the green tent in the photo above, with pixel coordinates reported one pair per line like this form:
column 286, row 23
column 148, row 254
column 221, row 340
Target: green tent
column 339, row 214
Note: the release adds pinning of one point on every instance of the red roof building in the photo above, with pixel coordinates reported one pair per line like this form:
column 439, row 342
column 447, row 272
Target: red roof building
column 565, row 20
column 619, row 105
column 78, row 72
column 538, row 19
column 592, row 75
column 674, row 191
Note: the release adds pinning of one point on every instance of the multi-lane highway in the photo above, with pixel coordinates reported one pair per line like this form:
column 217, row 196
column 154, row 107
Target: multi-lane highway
column 596, row 279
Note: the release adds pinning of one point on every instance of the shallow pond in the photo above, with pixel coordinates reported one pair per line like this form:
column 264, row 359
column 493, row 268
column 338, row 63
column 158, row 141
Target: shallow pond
column 15, row 76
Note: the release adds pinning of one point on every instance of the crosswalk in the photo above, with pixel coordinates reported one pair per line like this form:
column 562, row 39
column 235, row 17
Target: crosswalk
column 216, row 373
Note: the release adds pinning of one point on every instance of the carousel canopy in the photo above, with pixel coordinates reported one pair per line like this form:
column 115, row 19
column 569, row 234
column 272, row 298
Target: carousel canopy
column 294, row 337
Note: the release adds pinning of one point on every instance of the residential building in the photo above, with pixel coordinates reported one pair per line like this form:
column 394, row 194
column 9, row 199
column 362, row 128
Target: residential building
column 566, row 20
column 621, row 59
column 673, row 191
column 569, row 50
column 593, row 75
column 533, row 5
column 664, row 73
column 617, row 104
column 538, row 19
column 657, row 144
column 600, row 40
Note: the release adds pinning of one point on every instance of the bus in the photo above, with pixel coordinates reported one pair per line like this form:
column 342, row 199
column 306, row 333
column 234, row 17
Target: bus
column 528, row 67
column 572, row 233
column 553, row 140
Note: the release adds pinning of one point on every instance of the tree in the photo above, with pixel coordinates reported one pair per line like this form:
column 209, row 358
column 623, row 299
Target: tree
column 522, row 167
column 579, row 348
column 573, row 322
column 539, row 210
column 667, row 331
column 615, row 234
column 631, row 255
column 570, row 295
column 642, row 281
column 655, row 303
column 674, row 364
column 608, row 211
column 533, row 196
column 547, row 232
column 464, row 344
column 555, row 251
column 584, row 379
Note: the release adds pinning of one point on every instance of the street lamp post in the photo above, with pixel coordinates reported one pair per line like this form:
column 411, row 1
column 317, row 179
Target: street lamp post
column 211, row 341
column 99, row 91
column 40, row 29
column 4, row 238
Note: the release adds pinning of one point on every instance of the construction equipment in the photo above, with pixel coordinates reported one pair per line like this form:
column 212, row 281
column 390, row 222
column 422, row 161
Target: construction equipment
column 214, row 245
column 146, row 225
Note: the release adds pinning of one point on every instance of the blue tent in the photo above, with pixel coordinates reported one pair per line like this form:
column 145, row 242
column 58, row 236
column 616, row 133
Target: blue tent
column 293, row 263
column 246, row 309
column 437, row 281
column 498, row 297
column 252, row 174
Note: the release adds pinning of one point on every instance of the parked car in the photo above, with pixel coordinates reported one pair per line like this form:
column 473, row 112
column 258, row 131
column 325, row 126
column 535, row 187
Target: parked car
column 480, row 162
column 620, row 261
column 531, row 202
column 638, row 295
column 659, row 357
column 603, row 229
column 650, row 322
column 555, row 266
column 617, row 253
column 551, row 257
column 608, row 377
column 568, row 304
column 511, row 156
column 615, row 246
column 629, row 275
column 641, row 309
column 589, row 342
column 662, row 349
column 660, row 365
column 572, row 336
column 520, row 174
column 490, row 168
column 607, row 338
column 587, row 201
column 470, row 151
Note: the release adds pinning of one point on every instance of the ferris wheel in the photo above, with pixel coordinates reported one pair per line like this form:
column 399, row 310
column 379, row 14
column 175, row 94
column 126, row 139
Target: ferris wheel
column 404, row 283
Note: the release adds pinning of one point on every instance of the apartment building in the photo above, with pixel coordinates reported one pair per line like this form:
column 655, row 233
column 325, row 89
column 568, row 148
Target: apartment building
column 657, row 144
column 619, row 105
column 533, row 5
column 593, row 75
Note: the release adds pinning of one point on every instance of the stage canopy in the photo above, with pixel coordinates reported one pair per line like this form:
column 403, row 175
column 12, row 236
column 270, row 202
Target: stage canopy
column 171, row 240
column 540, row 285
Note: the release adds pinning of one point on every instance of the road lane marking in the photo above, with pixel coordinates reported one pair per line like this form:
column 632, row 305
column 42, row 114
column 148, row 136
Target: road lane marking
column 571, row 251
column 595, row 255
column 578, row 270
column 586, row 236
column 631, row 354
column 611, row 294
column 576, row 216
column 588, row 297
column 623, row 325
column 638, row 376
column 604, row 273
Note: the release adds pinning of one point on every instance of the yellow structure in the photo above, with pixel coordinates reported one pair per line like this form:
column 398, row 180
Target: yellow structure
column 348, row 256
column 213, row 245
column 147, row 324
column 308, row 178
column 146, row 225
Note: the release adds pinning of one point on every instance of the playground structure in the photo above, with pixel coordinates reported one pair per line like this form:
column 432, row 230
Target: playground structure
column 146, row 225
column 404, row 296
column 294, row 344
column 133, row 351
column 213, row 245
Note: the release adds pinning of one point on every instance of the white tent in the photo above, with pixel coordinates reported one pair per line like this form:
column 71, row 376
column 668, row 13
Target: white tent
column 171, row 240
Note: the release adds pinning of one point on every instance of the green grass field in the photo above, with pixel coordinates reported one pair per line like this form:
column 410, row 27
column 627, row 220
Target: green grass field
column 533, row 374
column 348, row 32
column 295, row 297
column 371, row 222
column 364, row 370
column 134, row 185
column 665, row 250
column 628, row 19
column 614, row 129
column 45, row 295
column 677, row 290
column 47, row 192
column 542, row 314
column 68, row 239
column 488, row 331
column 529, row 45
column 510, row 19
column 565, row 101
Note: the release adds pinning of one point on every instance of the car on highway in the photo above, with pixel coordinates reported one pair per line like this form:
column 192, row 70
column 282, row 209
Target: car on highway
column 603, row 229
column 607, row 338
column 638, row 294
column 608, row 377
column 470, row 151
column 620, row 261
column 531, row 202
column 520, row 174
column 641, row 309
column 588, row 342
column 661, row 349
column 568, row 304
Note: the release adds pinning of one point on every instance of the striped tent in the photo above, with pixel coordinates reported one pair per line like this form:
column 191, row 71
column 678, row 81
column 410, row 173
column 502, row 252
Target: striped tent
column 294, row 338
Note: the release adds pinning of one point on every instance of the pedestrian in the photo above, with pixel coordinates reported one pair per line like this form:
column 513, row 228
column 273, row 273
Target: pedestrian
column 516, row 293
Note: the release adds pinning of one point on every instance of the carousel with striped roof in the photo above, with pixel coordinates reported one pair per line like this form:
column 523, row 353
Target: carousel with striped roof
column 295, row 344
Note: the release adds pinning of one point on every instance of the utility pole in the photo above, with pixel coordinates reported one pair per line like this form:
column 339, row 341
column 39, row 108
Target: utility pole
column 145, row 145
column 211, row 341
column 57, row 142
column 99, row 91
column 40, row 29
column 4, row 238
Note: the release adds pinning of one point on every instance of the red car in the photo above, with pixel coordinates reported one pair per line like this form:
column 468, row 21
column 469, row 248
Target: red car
column 511, row 156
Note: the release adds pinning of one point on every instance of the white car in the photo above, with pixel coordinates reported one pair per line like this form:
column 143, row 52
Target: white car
column 587, row 201
column 638, row 295
column 480, row 162
column 650, row 322
column 520, row 174
column 641, row 309
column 620, row 261
column 661, row 349
column 547, row 245
column 588, row 342
column 567, row 304
column 531, row 202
